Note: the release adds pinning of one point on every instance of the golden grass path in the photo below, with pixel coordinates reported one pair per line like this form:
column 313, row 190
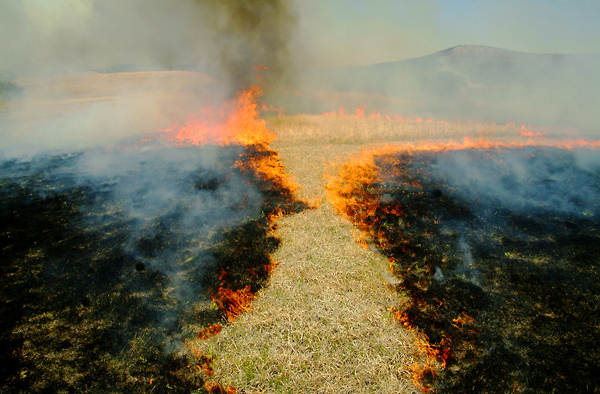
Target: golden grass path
column 322, row 325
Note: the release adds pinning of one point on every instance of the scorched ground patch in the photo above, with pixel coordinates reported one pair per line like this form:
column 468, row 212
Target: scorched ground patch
column 498, row 249
column 110, row 259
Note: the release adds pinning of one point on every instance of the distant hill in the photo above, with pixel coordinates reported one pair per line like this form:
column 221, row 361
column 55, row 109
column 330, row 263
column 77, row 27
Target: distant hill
column 469, row 82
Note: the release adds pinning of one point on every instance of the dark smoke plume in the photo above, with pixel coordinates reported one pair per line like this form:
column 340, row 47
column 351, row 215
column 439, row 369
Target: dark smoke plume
column 73, row 65
column 226, row 38
column 249, row 34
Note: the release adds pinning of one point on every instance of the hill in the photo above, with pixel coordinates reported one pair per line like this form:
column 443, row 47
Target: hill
column 465, row 82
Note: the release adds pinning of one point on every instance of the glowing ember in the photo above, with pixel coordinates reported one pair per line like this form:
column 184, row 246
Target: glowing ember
column 233, row 303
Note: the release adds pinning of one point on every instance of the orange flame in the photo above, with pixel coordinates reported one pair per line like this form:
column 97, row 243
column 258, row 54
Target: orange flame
column 362, row 113
column 463, row 320
column 214, row 388
column 348, row 190
column 353, row 193
column 234, row 303
column 526, row 133
column 236, row 122
column 210, row 331
column 233, row 123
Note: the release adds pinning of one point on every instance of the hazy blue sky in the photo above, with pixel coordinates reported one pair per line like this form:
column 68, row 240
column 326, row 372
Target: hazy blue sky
column 53, row 36
column 343, row 32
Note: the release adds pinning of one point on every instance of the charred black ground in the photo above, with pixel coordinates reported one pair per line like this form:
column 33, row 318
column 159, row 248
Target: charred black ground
column 499, row 250
column 108, row 257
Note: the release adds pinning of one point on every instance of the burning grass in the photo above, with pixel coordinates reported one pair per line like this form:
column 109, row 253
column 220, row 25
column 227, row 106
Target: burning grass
column 112, row 259
column 322, row 324
column 102, row 284
column 497, row 248
column 100, row 294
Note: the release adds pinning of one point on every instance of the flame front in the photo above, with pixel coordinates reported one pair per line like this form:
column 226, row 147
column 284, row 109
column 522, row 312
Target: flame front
column 233, row 123
column 408, row 205
column 237, row 123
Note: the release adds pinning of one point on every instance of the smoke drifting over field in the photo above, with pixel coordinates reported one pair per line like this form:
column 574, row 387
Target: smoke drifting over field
column 141, row 241
column 169, row 205
column 471, row 82
column 141, row 235
column 88, row 73
column 532, row 180
column 226, row 39
column 488, row 242
column 223, row 37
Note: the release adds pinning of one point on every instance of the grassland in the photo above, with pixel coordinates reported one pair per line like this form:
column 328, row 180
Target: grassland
column 323, row 323
column 347, row 130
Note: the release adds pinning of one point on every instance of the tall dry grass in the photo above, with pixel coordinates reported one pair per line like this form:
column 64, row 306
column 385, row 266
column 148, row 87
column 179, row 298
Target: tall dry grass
column 323, row 324
column 320, row 129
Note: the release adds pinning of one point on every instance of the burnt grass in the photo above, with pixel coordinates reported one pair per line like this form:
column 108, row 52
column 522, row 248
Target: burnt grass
column 508, row 291
column 88, row 303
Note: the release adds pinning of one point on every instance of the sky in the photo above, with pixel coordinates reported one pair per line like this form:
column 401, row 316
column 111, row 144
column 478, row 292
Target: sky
column 227, row 38
column 71, row 35
column 354, row 32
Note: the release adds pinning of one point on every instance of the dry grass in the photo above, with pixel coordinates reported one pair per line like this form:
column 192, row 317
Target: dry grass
column 65, row 95
column 95, row 109
column 319, row 130
column 323, row 323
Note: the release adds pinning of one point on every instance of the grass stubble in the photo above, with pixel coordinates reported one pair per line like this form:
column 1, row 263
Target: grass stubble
column 323, row 324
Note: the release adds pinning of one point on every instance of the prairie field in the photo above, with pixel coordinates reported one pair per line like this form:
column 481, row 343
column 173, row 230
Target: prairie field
column 349, row 130
column 279, row 290
column 321, row 256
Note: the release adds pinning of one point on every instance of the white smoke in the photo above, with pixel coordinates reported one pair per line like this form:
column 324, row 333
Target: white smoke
column 535, row 180
column 88, row 73
column 65, row 36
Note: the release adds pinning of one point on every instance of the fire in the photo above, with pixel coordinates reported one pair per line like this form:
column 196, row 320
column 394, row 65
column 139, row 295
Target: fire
column 350, row 190
column 463, row 320
column 210, row 331
column 380, row 191
column 212, row 387
column 359, row 172
column 435, row 356
column 361, row 113
column 526, row 133
column 235, row 122
column 233, row 303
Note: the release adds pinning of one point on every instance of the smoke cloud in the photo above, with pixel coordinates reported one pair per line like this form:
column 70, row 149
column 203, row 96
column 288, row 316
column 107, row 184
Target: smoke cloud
column 471, row 82
column 532, row 180
column 224, row 37
column 152, row 213
column 249, row 34
column 88, row 73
